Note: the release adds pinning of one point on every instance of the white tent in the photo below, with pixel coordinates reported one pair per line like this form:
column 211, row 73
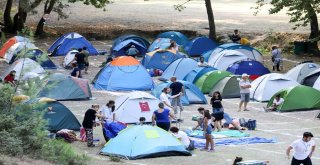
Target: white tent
column 225, row 58
column 69, row 58
column 17, row 48
column 301, row 71
column 131, row 106
column 264, row 87
column 312, row 79
column 28, row 66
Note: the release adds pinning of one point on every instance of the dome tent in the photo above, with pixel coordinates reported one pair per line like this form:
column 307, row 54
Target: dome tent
column 178, row 37
column 254, row 69
column 225, row 58
column 179, row 68
column 121, row 48
column 159, row 43
column 156, row 142
column 136, row 38
column 10, row 42
column 301, row 71
column 196, row 73
column 228, row 87
column 160, row 59
column 124, row 73
column 312, row 79
column 207, row 81
column 18, row 49
column 199, row 45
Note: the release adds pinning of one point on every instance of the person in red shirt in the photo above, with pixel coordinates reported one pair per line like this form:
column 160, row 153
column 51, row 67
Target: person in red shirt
column 10, row 78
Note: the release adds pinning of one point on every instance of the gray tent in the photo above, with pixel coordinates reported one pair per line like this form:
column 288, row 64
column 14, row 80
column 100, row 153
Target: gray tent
column 228, row 87
column 301, row 71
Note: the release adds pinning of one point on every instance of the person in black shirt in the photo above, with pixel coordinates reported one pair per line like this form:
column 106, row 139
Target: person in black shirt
column 76, row 72
column 89, row 122
column 216, row 102
column 80, row 58
column 236, row 36
column 176, row 88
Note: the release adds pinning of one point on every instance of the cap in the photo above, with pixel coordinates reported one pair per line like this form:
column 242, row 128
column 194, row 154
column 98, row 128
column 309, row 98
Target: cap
column 307, row 134
column 244, row 75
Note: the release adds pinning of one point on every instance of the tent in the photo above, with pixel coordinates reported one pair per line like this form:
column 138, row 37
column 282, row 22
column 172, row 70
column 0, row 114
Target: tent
column 312, row 79
column 70, row 41
column 264, row 87
column 249, row 51
column 199, row 45
column 121, row 48
column 225, row 58
column 206, row 55
column 138, row 39
column 60, row 117
column 228, row 87
column 250, row 67
column 179, row 68
column 69, row 58
column 178, row 37
column 196, row 73
column 40, row 57
column 160, row 59
column 62, row 87
column 298, row 98
column 144, row 141
column 192, row 93
column 124, row 73
column 7, row 45
column 159, row 43
column 131, row 106
column 18, row 49
column 207, row 81
column 301, row 71
column 23, row 66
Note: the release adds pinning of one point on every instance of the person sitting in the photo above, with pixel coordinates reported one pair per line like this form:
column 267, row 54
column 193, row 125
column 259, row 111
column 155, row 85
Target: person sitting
column 236, row 36
column 202, row 63
column 277, row 101
column 9, row 79
column 133, row 51
column 180, row 135
column 76, row 72
column 173, row 46
column 142, row 120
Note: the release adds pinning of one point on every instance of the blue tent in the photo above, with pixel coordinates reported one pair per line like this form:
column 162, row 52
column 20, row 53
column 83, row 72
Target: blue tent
column 253, row 68
column 196, row 73
column 160, row 59
column 249, row 51
column 122, row 48
column 161, row 43
column 192, row 94
column 144, row 141
column 40, row 57
column 199, row 45
column 139, row 39
column 206, row 55
column 179, row 68
column 178, row 37
column 69, row 41
column 123, row 74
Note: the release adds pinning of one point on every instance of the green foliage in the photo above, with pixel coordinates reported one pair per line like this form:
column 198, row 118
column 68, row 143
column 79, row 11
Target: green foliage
column 114, row 159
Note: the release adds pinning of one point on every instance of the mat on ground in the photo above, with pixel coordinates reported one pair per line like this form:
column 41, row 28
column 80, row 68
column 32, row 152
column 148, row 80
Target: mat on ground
column 200, row 143
column 217, row 135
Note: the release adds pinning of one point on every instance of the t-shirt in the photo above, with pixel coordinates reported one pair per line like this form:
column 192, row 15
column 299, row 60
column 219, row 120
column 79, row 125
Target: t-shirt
column 183, row 137
column 89, row 118
column 301, row 149
column 9, row 78
column 86, row 56
column 80, row 58
column 244, row 83
column 235, row 37
column 281, row 100
column 107, row 112
column 165, row 98
column 162, row 117
column 216, row 103
column 202, row 64
column 276, row 53
column 176, row 88
column 74, row 72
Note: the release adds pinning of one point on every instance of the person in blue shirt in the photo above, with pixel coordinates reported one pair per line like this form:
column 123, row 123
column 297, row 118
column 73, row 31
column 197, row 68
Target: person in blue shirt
column 133, row 51
column 161, row 117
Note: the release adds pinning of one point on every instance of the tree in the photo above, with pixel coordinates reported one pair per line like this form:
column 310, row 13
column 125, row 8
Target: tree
column 212, row 26
column 302, row 13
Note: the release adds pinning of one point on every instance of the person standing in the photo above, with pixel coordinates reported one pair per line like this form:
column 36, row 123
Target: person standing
column 216, row 102
column 107, row 112
column 161, row 117
column 89, row 122
column 245, row 86
column 86, row 59
column 276, row 58
column 80, row 58
column 302, row 150
column 207, row 130
column 176, row 88
column 165, row 98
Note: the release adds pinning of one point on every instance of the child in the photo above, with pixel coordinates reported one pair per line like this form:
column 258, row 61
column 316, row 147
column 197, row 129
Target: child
column 142, row 120
column 216, row 102
column 207, row 130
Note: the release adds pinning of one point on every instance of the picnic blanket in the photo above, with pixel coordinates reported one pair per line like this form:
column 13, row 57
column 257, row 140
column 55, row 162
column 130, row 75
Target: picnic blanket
column 217, row 135
column 200, row 143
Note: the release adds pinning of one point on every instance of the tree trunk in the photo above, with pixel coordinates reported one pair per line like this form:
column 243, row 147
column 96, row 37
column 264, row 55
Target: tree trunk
column 47, row 10
column 7, row 17
column 314, row 27
column 212, row 26
column 19, row 19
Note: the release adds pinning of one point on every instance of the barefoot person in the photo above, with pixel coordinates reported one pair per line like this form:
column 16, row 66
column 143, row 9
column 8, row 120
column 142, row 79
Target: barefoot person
column 277, row 101
column 207, row 130
column 244, row 91
column 302, row 150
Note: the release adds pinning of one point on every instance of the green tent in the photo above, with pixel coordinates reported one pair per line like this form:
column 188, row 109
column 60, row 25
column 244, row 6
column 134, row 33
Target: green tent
column 228, row 87
column 298, row 98
column 206, row 82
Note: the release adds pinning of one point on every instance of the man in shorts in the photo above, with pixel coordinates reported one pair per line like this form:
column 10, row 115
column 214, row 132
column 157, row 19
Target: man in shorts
column 245, row 86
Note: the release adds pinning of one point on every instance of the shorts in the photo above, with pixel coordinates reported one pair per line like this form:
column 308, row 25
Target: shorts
column 209, row 130
column 244, row 97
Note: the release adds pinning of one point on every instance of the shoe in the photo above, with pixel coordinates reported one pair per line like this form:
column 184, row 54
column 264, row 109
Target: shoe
column 211, row 150
column 246, row 110
column 92, row 145
column 204, row 149
column 179, row 120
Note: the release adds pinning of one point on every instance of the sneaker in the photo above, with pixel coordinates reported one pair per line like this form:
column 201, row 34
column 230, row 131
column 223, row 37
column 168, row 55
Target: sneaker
column 179, row 120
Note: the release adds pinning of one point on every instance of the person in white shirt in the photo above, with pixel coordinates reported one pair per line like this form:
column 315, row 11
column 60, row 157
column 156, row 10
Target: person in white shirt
column 277, row 101
column 302, row 150
column 202, row 63
column 165, row 98
column 107, row 112
column 180, row 135
column 245, row 86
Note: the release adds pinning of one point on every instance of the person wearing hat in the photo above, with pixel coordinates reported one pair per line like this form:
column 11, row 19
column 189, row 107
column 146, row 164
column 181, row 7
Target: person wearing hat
column 245, row 86
column 133, row 51
column 302, row 150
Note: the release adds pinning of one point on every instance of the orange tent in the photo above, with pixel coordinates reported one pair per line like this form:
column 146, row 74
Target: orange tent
column 125, row 61
column 11, row 42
